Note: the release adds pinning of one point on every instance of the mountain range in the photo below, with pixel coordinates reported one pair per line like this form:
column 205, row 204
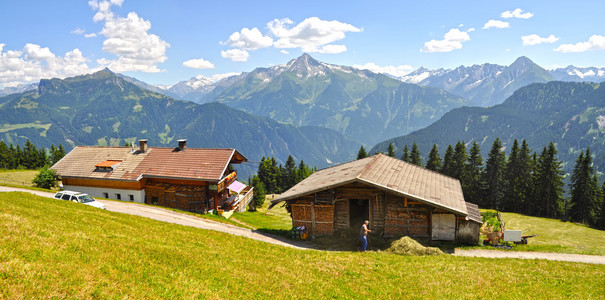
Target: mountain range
column 106, row 109
column 490, row 84
column 360, row 104
column 571, row 114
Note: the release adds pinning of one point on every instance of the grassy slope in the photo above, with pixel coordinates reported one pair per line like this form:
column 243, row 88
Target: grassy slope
column 555, row 235
column 18, row 177
column 55, row 248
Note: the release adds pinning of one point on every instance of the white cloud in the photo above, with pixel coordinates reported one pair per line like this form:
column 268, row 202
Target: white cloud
column 90, row 35
column 78, row 31
column 517, row 13
column 199, row 63
column 35, row 52
column 332, row 49
column 396, row 71
column 128, row 38
column 534, row 39
column 235, row 54
column 217, row 77
column 452, row 40
column 496, row 24
column 284, row 51
column 310, row 35
column 249, row 39
column 35, row 62
column 595, row 42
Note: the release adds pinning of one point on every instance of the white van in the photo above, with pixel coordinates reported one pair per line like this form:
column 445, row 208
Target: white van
column 80, row 198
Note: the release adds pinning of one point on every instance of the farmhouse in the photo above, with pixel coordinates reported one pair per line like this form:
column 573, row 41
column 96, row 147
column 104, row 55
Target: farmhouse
column 190, row 179
column 398, row 198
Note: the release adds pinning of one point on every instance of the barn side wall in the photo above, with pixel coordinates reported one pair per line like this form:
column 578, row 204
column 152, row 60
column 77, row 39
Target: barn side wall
column 411, row 220
column 468, row 232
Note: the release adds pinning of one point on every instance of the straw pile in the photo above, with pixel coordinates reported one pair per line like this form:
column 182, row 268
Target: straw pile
column 408, row 246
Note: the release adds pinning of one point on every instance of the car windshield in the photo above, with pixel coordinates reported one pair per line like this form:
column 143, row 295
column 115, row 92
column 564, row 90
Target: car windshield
column 85, row 199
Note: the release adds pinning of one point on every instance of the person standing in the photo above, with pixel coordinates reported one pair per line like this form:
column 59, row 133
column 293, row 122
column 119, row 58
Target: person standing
column 363, row 234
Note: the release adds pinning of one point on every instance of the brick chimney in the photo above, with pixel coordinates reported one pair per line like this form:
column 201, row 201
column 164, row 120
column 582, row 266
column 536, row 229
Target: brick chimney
column 142, row 146
column 182, row 145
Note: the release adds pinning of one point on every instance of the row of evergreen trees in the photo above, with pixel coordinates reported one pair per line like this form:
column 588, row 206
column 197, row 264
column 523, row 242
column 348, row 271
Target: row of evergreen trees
column 523, row 182
column 28, row 157
column 272, row 178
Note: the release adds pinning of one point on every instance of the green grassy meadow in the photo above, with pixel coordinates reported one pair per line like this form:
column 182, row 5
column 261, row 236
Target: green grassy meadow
column 59, row 249
column 555, row 235
column 18, row 177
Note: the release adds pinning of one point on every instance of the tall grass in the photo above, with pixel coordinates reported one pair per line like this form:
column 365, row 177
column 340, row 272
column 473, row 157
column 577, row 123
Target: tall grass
column 53, row 248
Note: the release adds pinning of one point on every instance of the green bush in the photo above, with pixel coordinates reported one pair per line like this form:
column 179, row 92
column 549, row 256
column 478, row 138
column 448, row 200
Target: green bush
column 46, row 179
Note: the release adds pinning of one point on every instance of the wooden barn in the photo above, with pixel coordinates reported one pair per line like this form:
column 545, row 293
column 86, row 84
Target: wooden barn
column 192, row 179
column 398, row 199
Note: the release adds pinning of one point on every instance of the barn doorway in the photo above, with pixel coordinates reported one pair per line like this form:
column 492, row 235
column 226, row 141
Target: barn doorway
column 359, row 211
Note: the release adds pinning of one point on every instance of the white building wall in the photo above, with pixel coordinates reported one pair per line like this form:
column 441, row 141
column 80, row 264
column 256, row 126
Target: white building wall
column 138, row 195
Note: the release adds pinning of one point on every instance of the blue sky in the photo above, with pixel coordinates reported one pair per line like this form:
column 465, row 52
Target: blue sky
column 163, row 42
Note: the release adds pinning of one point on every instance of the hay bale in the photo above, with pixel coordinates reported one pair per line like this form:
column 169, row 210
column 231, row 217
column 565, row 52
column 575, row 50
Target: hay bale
column 408, row 246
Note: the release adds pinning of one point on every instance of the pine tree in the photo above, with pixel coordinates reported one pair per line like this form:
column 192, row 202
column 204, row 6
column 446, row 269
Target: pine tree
column 406, row 154
column 290, row 173
column 259, row 194
column 549, row 183
column 362, row 153
column 448, row 162
column 4, row 156
column 494, row 176
column 415, row 156
column 511, row 175
column 601, row 222
column 472, row 185
column 303, row 171
column 434, row 161
column 391, row 150
column 459, row 161
column 584, row 190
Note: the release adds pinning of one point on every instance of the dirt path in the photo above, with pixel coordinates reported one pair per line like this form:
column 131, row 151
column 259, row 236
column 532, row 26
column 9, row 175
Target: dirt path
column 590, row 259
column 169, row 216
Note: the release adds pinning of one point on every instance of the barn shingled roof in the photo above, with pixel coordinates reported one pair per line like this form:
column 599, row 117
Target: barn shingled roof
column 390, row 174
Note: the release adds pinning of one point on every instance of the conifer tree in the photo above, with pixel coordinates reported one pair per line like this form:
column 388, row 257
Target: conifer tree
column 448, row 161
column 494, row 176
column 434, row 160
column 459, row 161
column 406, row 154
column 303, row 171
column 512, row 194
column 362, row 153
column 289, row 173
column 601, row 222
column 391, row 150
column 259, row 194
column 549, row 183
column 415, row 155
column 584, row 190
column 4, row 156
column 472, row 184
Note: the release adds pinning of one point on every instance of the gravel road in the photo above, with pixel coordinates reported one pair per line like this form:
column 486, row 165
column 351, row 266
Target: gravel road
column 590, row 259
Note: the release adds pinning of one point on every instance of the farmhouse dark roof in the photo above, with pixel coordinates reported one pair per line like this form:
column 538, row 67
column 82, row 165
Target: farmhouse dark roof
column 195, row 163
column 390, row 174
